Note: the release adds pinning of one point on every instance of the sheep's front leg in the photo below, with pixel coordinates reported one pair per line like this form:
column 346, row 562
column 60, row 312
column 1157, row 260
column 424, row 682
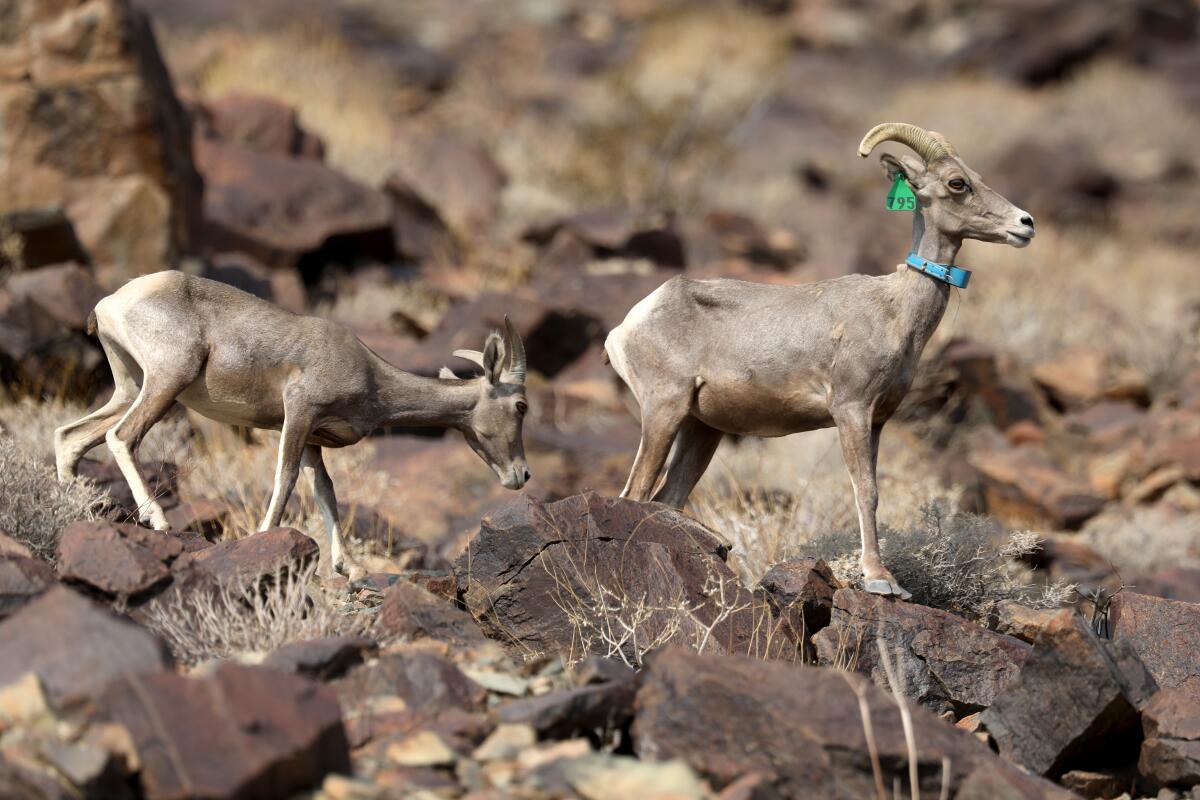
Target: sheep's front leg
column 296, row 428
column 860, row 449
column 339, row 559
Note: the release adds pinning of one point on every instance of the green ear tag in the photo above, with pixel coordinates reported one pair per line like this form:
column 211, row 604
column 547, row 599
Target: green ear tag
column 901, row 197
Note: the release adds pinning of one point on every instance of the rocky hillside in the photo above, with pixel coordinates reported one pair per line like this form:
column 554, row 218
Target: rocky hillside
column 419, row 170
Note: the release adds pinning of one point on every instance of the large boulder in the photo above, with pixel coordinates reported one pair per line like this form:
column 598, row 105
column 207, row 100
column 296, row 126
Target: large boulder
column 802, row 729
column 67, row 292
column 1075, row 702
column 257, row 122
column 93, row 126
column 411, row 612
column 75, row 646
column 39, row 356
column 250, row 560
column 556, row 577
column 38, row 237
column 1164, row 633
column 457, row 178
column 944, row 662
column 286, row 211
column 241, row 732
column 1023, row 485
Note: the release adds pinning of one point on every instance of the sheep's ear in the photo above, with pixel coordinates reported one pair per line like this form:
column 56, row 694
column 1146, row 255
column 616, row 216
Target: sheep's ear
column 913, row 169
column 474, row 356
column 447, row 374
column 493, row 358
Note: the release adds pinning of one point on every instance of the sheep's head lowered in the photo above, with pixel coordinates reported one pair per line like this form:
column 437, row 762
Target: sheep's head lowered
column 951, row 196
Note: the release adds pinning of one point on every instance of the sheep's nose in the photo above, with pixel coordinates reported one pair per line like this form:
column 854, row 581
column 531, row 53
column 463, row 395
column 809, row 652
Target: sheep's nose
column 1027, row 220
column 527, row 475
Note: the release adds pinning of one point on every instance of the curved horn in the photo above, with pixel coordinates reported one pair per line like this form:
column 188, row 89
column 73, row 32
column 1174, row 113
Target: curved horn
column 928, row 144
column 517, row 362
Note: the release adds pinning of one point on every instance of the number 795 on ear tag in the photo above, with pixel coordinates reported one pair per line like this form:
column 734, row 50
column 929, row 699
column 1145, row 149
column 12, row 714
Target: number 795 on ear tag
column 901, row 197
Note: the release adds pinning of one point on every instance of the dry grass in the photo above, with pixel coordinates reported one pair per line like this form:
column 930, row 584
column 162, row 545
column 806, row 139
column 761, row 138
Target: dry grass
column 237, row 620
column 343, row 95
column 35, row 506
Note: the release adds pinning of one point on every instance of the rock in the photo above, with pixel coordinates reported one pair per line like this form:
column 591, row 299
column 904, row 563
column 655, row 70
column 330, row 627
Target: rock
column 205, row 517
column 1022, row 485
column 411, row 612
column 285, row 211
column 1080, row 376
column 39, row 237
column 240, row 732
column 262, row 555
column 259, row 123
column 974, row 381
column 800, row 727
column 1067, row 184
column 498, row 682
column 67, row 292
column 947, row 663
column 38, row 356
column 1164, row 633
column 1173, row 583
column 536, row 572
column 21, row 580
column 1106, row 423
column 322, row 659
column 95, row 771
column 23, row 700
column 602, row 776
column 25, row 782
column 456, row 178
column 284, row 288
column 1022, row 622
column 120, row 560
column 102, row 133
column 598, row 669
column 423, row 749
column 11, row 547
column 800, row 592
column 161, row 477
column 1097, row 784
column 574, row 712
column 728, row 235
column 505, row 743
column 419, row 232
column 1171, row 723
column 1093, row 688
column 402, row 691
column 75, row 646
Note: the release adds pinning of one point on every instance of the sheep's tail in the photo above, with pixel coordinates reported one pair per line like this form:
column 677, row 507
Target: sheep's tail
column 91, row 323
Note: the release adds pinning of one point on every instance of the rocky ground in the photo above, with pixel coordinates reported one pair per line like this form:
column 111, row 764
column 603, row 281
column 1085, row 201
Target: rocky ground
column 417, row 171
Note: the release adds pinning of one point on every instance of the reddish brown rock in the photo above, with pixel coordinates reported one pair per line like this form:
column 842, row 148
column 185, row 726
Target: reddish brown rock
column 802, row 729
column 241, row 732
column 11, row 547
column 1023, row 485
column 39, row 356
column 39, row 237
column 102, row 133
column 973, row 374
column 284, row 288
column 259, row 123
column 457, row 178
column 282, row 210
column 67, row 292
column 949, row 664
column 261, row 555
column 533, row 565
column 121, row 560
column 1171, row 723
column 205, row 517
column 800, row 592
column 575, row 712
column 1164, row 633
column 411, row 612
column 322, row 659
column 1022, row 622
column 22, row 579
column 1075, row 702
column 1173, row 583
column 75, row 646
column 161, row 477
column 1080, row 376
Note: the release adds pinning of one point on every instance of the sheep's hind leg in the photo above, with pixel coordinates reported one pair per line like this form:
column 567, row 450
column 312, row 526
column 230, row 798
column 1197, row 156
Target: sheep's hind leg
column 695, row 445
column 860, row 448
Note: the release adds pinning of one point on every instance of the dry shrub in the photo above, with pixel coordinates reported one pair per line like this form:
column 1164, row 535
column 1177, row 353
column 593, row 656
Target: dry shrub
column 955, row 561
column 35, row 506
column 770, row 497
column 237, row 619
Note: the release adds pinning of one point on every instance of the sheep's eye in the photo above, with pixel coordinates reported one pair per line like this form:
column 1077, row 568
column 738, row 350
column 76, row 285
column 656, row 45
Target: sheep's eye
column 522, row 407
column 958, row 184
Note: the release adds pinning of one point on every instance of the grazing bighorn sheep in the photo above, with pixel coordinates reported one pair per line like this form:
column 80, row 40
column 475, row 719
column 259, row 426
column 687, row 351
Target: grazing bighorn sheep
column 237, row 359
column 709, row 357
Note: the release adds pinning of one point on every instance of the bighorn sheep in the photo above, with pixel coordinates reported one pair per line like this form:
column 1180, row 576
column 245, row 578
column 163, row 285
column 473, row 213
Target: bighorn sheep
column 705, row 358
column 238, row 359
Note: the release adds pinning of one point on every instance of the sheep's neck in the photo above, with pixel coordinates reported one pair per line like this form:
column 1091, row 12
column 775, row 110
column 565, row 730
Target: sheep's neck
column 924, row 298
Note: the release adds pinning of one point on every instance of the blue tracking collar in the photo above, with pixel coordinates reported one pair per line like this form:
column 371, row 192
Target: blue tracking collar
column 946, row 273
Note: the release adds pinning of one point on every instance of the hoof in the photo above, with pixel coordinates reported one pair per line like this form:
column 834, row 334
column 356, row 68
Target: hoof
column 886, row 587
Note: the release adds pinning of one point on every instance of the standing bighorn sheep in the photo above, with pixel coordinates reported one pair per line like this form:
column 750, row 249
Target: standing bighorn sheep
column 238, row 359
column 709, row 357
